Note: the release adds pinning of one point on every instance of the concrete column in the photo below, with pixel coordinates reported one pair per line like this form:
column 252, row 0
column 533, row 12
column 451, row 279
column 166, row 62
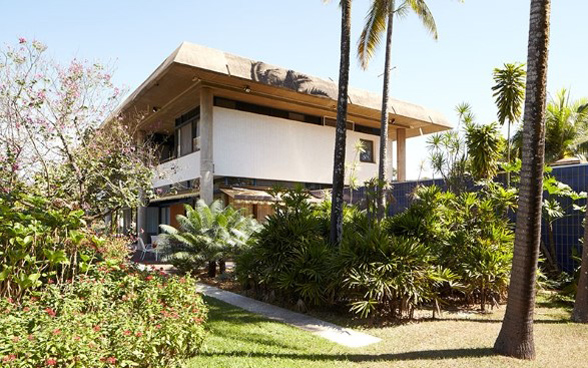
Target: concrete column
column 141, row 210
column 401, row 154
column 206, row 149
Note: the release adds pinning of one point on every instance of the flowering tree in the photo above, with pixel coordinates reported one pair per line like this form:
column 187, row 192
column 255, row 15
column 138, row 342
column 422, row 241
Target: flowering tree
column 51, row 133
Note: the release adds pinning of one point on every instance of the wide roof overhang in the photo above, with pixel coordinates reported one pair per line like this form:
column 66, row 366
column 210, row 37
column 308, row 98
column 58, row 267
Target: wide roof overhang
column 174, row 86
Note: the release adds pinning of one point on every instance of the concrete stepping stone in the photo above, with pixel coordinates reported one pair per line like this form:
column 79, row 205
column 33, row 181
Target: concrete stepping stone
column 343, row 336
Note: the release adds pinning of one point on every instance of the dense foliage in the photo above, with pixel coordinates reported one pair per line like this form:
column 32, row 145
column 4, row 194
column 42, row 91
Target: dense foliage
column 206, row 234
column 445, row 248
column 70, row 298
column 112, row 316
column 40, row 241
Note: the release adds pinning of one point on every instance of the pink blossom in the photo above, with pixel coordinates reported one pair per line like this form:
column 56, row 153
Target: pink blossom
column 22, row 40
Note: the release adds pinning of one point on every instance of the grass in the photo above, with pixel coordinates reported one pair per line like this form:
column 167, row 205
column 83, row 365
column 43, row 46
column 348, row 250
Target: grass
column 241, row 339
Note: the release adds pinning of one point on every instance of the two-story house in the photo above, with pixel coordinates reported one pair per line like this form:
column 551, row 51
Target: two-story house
column 231, row 127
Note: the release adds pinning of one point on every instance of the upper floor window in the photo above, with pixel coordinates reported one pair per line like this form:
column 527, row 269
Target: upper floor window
column 367, row 154
column 187, row 133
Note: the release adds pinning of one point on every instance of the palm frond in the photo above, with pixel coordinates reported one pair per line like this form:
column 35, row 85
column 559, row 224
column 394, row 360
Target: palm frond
column 371, row 35
column 421, row 9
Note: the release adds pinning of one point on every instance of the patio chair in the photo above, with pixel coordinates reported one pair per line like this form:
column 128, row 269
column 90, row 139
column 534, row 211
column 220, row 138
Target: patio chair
column 145, row 248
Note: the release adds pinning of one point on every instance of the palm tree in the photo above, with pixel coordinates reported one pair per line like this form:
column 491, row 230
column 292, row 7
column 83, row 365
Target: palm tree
column 566, row 128
column 380, row 19
column 336, row 233
column 516, row 335
column 509, row 92
column 207, row 234
column 580, row 313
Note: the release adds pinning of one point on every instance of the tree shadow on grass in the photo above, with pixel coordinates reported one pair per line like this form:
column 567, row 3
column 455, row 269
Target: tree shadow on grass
column 484, row 320
column 411, row 355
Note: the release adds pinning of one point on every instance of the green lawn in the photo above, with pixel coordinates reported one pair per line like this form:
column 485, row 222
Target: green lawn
column 241, row 339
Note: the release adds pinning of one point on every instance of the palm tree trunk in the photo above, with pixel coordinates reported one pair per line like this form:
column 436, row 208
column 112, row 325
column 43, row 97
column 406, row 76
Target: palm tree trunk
column 340, row 132
column 212, row 269
column 383, row 163
column 508, row 156
column 516, row 335
column 222, row 266
column 580, row 313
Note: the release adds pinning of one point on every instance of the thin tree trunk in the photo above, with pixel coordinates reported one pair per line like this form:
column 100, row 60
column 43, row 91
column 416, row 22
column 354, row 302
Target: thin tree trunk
column 552, row 249
column 383, row 162
column 516, row 335
column 340, row 132
column 580, row 313
column 222, row 266
column 212, row 269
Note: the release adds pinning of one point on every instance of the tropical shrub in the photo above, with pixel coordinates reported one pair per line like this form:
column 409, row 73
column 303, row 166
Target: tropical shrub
column 206, row 234
column 113, row 316
column 470, row 234
column 443, row 248
column 387, row 274
column 40, row 240
column 290, row 257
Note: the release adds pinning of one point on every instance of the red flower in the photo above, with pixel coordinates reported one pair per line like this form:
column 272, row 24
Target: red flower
column 22, row 40
column 127, row 332
column 96, row 328
column 139, row 334
column 26, row 309
column 57, row 331
column 10, row 300
column 9, row 358
column 15, row 339
column 158, row 326
column 149, row 278
column 31, row 337
column 51, row 361
column 50, row 312
column 51, row 281
column 111, row 360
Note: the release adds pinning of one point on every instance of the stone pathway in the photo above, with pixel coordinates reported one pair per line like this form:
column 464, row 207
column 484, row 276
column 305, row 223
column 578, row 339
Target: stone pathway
column 329, row 331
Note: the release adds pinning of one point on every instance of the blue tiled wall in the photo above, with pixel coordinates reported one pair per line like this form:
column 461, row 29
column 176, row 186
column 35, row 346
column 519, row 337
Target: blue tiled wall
column 567, row 231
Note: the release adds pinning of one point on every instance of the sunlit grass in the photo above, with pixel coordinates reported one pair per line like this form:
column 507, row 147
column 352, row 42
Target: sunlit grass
column 241, row 339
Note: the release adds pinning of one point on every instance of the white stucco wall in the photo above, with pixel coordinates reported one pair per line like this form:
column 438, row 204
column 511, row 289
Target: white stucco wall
column 184, row 168
column 264, row 147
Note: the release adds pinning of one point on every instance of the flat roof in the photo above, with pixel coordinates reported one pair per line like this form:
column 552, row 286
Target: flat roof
column 191, row 63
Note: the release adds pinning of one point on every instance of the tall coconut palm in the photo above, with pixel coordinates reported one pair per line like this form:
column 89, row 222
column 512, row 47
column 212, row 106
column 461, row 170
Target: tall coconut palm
column 380, row 19
column 341, row 131
column 516, row 335
column 509, row 92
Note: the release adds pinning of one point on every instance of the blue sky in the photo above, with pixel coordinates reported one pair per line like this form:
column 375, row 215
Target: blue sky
column 474, row 37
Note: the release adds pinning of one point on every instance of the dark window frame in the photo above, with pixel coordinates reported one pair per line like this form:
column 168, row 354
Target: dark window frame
column 368, row 146
column 192, row 118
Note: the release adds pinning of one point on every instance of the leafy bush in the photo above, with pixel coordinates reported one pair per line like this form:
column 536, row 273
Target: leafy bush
column 115, row 315
column 387, row 274
column 444, row 248
column 40, row 240
column 206, row 234
column 290, row 257
column 469, row 234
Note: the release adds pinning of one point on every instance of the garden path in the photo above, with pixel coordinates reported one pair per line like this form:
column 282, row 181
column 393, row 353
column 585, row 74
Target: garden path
column 343, row 336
